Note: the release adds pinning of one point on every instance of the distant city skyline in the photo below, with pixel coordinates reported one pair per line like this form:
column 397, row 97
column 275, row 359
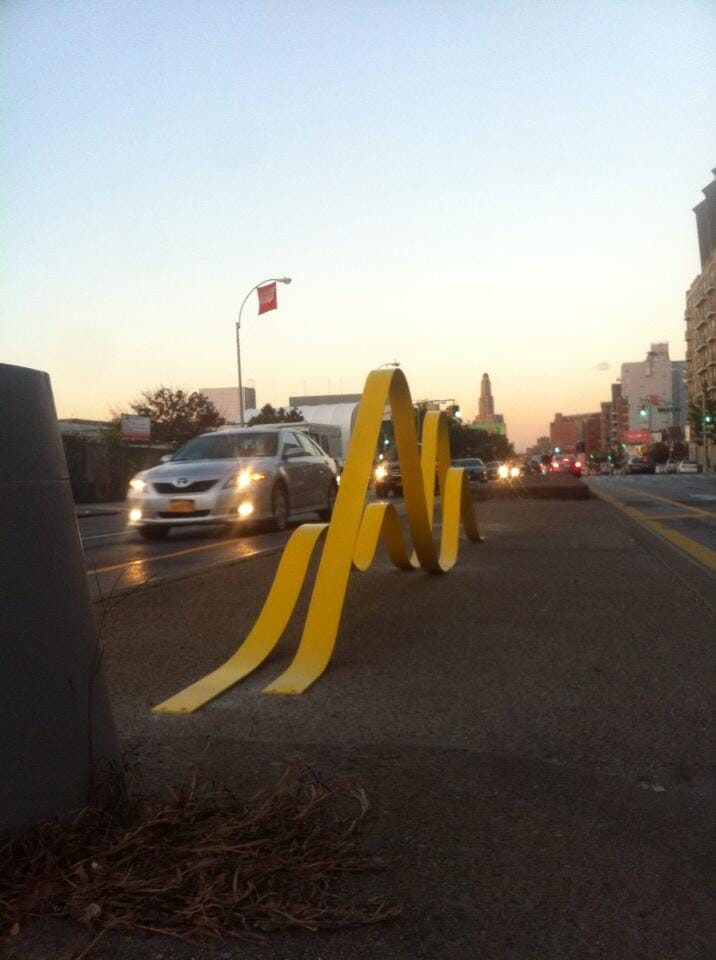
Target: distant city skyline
column 495, row 186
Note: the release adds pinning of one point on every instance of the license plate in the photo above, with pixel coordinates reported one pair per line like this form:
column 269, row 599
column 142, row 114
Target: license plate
column 181, row 506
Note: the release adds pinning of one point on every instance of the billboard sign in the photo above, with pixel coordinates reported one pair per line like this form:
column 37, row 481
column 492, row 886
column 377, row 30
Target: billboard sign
column 136, row 428
column 637, row 436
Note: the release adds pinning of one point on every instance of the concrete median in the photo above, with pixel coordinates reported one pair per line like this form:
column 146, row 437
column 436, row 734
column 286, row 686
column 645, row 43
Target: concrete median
column 533, row 731
column 531, row 487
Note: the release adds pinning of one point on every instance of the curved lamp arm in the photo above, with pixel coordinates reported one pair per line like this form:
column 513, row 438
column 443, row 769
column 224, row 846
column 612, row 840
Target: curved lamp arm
column 255, row 287
column 238, row 346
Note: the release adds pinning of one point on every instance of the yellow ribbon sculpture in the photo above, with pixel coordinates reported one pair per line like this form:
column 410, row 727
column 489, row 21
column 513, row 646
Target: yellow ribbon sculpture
column 351, row 539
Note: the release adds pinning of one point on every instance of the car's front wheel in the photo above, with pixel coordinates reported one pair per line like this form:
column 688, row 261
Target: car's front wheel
column 326, row 513
column 153, row 533
column 279, row 507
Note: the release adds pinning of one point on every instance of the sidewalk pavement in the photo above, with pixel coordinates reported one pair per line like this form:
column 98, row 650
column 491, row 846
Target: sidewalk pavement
column 534, row 731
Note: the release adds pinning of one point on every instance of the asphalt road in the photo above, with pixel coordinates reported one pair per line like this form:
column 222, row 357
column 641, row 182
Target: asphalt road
column 679, row 509
column 118, row 559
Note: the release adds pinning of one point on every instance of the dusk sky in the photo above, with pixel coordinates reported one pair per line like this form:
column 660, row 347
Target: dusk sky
column 465, row 187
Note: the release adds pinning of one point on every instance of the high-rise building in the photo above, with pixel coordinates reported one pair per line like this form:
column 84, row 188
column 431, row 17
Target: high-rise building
column 486, row 418
column 701, row 313
column 486, row 405
column 706, row 222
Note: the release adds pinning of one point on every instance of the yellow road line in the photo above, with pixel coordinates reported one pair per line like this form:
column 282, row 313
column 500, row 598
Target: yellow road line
column 696, row 511
column 704, row 555
column 161, row 556
column 658, row 517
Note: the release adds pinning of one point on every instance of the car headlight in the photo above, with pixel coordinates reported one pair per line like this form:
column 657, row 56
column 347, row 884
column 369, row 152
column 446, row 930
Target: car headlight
column 514, row 471
column 380, row 472
column 139, row 486
column 244, row 479
column 503, row 471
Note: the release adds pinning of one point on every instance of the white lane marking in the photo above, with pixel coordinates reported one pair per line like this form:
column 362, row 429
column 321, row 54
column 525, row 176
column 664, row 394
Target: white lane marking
column 103, row 536
column 702, row 496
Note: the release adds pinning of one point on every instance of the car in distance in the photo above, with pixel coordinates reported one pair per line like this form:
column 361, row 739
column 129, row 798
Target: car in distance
column 474, row 468
column 233, row 476
column 492, row 468
column 687, row 466
column 639, row 465
column 387, row 476
column 565, row 463
column 534, row 465
column 510, row 471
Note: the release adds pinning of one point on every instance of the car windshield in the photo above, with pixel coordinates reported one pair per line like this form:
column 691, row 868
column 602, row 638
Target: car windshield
column 469, row 462
column 229, row 446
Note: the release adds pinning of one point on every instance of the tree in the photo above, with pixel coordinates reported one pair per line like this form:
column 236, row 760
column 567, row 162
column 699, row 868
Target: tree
column 176, row 415
column 466, row 441
column 680, row 450
column 269, row 414
column 658, row 452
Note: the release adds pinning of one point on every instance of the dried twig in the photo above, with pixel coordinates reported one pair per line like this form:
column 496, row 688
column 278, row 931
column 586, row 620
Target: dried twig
column 198, row 862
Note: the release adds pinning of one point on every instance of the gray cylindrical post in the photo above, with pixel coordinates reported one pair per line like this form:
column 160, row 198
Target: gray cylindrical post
column 56, row 728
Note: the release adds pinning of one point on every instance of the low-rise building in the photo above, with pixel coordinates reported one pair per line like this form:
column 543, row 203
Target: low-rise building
column 576, row 433
column 226, row 401
column 649, row 387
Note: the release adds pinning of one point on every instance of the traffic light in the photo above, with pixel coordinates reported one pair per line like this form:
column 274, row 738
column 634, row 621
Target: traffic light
column 708, row 418
column 557, row 449
column 642, row 411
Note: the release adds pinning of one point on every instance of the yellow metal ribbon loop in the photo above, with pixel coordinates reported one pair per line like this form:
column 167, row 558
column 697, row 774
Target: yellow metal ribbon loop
column 351, row 539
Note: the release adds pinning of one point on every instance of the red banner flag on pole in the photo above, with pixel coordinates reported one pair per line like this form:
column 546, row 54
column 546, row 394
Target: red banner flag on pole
column 267, row 298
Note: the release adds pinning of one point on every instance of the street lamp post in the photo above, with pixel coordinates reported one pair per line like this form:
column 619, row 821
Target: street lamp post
column 238, row 343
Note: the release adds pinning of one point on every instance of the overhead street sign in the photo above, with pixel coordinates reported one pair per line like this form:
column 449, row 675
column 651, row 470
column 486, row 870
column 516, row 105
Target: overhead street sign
column 668, row 409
